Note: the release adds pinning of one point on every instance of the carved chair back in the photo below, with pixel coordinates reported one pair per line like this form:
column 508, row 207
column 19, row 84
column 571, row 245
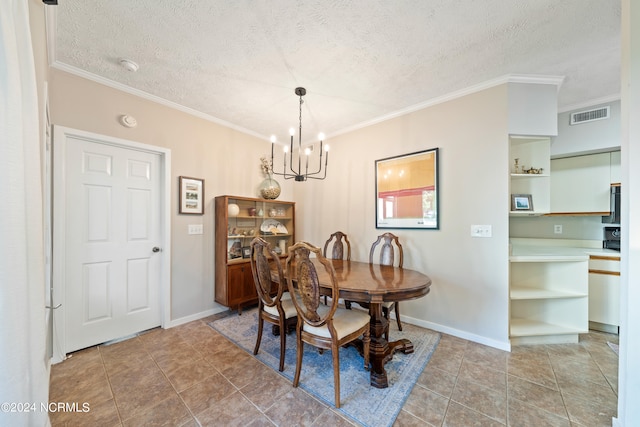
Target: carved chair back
column 306, row 291
column 387, row 250
column 262, row 258
column 338, row 247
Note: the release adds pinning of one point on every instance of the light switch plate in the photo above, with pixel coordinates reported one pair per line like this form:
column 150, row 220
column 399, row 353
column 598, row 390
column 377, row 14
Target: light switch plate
column 195, row 229
column 557, row 229
column 480, row 231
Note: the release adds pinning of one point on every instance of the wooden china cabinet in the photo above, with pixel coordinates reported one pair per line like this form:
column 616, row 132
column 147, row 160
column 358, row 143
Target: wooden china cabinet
column 237, row 221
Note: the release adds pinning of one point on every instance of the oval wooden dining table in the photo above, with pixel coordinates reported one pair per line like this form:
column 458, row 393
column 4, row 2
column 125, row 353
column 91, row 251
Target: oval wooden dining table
column 371, row 285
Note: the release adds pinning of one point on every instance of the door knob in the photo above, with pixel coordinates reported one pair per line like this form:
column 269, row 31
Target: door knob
column 156, row 249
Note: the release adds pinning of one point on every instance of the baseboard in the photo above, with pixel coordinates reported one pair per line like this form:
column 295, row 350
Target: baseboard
column 603, row 327
column 500, row 345
column 197, row 316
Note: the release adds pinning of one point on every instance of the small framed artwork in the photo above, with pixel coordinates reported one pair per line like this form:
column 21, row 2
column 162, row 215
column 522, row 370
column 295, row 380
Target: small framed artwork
column 521, row 202
column 246, row 252
column 407, row 191
column 191, row 192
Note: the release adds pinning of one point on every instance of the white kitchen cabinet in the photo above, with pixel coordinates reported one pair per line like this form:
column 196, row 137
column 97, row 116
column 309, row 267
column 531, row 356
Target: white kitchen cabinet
column 604, row 293
column 580, row 185
column 531, row 152
column 548, row 298
column 616, row 173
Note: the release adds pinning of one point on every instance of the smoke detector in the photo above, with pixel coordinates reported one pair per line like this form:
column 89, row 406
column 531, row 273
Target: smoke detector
column 129, row 65
column 128, row 121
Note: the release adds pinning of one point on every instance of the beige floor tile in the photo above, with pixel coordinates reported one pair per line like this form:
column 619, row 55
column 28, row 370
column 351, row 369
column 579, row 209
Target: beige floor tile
column 169, row 412
column 405, row 419
column 437, row 380
column 207, row 393
column 426, row 405
column 100, row 414
column 267, row 388
column 186, row 375
column 482, row 399
column 590, row 413
column 459, row 415
column 135, row 394
column 537, row 370
column 295, row 408
column 330, row 418
column 536, row 395
column 523, row 415
column 134, row 382
column 446, row 362
column 487, row 356
column 234, row 410
column 481, row 374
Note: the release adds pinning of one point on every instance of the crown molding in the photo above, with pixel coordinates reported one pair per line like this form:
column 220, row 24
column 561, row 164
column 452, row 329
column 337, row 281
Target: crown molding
column 153, row 98
column 591, row 103
column 509, row 78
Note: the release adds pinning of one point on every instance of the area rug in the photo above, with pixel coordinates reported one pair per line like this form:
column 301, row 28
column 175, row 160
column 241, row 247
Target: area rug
column 359, row 401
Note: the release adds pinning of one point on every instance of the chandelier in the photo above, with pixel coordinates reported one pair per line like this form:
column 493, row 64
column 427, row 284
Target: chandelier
column 300, row 174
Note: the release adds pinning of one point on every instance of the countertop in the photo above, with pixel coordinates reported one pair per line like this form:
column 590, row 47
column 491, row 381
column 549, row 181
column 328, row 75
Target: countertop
column 523, row 253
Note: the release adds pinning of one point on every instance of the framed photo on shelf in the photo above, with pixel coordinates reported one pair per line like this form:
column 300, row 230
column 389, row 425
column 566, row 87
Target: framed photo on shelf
column 521, row 202
column 246, row 252
column 191, row 191
column 407, row 191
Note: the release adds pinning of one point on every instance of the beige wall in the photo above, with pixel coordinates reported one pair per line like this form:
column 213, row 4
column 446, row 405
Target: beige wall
column 470, row 275
column 469, row 294
column 228, row 161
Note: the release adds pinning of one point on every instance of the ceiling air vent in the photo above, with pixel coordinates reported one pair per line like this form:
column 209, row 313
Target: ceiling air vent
column 589, row 115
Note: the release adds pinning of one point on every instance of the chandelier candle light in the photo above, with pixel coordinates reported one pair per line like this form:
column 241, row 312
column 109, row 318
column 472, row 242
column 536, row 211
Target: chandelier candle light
column 297, row 173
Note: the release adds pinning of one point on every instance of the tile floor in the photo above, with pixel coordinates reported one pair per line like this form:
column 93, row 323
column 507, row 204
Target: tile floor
column 192, row 376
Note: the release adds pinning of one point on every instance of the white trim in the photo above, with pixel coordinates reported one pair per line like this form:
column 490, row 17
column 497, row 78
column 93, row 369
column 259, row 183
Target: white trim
column 59, row 147
column 592, row 103
column 50, row 25
column 197, row 316
column 511, row 78
column 153, row 98
column 500, row 345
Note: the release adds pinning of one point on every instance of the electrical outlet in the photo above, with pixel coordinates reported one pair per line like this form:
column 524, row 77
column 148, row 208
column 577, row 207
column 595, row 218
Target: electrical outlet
column 195, row 229
column 480, row 231
column 557, row 229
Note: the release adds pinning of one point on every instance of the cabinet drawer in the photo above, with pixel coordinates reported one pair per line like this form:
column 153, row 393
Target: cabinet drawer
column 604, row 265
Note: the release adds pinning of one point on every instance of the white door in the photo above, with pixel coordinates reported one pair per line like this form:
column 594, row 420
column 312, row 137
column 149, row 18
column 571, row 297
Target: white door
column 112, row 239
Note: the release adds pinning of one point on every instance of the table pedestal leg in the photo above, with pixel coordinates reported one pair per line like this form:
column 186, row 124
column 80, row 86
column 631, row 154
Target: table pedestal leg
column 382, row 351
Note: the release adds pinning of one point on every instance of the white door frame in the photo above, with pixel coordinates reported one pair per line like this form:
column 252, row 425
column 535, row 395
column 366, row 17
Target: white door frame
column 60, row 133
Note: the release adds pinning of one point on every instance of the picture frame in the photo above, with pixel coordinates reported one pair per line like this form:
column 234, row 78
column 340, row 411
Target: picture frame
column 521, row 202
column 191, row 195
column 407, row 191
column 246, row 252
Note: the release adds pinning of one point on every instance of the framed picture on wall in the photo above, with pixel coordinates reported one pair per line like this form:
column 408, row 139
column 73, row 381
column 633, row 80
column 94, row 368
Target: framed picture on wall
column 191, row 191
column 407, row 191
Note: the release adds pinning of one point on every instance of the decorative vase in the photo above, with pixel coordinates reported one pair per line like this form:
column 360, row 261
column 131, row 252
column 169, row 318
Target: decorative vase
column 233, row 209
column 269, row 188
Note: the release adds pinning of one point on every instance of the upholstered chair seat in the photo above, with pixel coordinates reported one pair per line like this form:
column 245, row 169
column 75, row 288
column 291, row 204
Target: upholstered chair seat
column 344, row 321
column 322, row 326
column 287, row 306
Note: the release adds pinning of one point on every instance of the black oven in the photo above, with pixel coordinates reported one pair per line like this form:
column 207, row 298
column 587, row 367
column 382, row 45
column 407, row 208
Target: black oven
column 611, row 238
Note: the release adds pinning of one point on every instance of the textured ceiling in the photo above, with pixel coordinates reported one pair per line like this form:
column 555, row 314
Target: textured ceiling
column 238, row 62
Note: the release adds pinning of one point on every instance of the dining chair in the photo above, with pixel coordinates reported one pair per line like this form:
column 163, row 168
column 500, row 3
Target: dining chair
column 274, row 303
column 386, row 256
column 322, row 326
column 337, row 243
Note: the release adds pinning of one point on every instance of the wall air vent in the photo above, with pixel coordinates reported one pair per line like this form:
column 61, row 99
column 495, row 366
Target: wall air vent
column 589, row 115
